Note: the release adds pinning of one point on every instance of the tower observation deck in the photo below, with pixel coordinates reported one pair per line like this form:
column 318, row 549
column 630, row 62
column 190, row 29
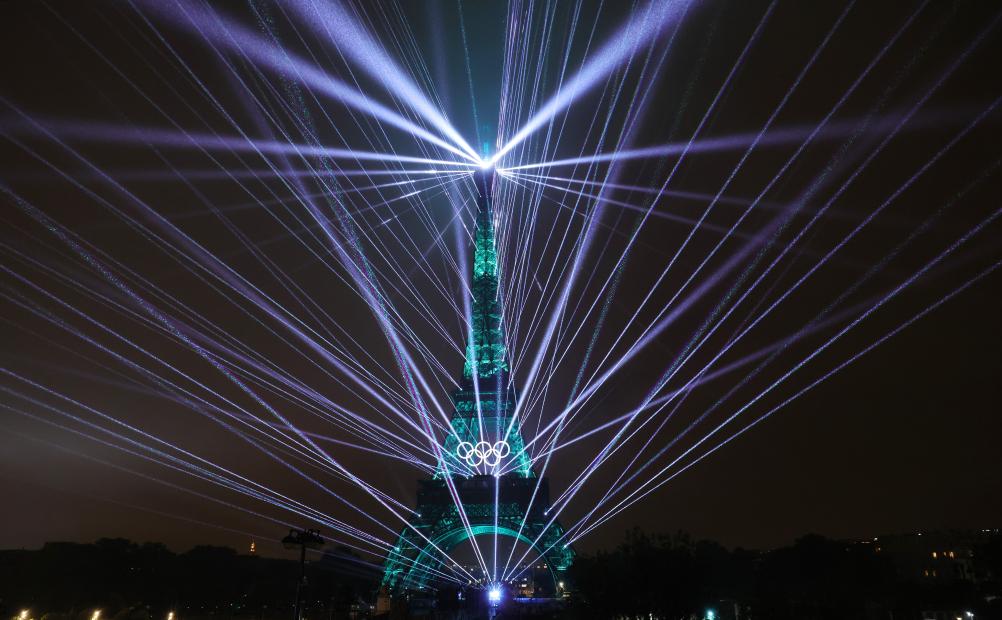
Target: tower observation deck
column 483, row 457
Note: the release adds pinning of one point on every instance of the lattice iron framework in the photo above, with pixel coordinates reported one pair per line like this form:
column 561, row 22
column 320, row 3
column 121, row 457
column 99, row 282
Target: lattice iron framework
column 484, row 406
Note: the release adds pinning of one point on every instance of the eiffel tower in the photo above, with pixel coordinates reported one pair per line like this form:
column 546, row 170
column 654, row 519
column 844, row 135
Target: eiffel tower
column 484, row 441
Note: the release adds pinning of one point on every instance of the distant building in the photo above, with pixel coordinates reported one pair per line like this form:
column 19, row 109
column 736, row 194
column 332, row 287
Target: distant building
column 934, row 557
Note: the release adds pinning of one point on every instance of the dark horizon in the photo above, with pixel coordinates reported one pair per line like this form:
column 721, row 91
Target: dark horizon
column 949, row 574
column 263, row 545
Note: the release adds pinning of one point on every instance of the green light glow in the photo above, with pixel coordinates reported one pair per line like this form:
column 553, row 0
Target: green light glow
column 415, row 569
column 484, row 406
column 486, row 348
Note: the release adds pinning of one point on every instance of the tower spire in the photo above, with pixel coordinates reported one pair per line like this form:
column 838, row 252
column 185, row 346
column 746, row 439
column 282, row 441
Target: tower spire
column 485, row 351
column 484, row 439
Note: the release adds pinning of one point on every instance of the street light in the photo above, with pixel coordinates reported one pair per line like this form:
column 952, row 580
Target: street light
column 302, row 540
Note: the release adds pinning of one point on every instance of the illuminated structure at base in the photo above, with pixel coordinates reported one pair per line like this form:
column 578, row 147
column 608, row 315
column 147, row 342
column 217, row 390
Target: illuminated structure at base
column 484, row 442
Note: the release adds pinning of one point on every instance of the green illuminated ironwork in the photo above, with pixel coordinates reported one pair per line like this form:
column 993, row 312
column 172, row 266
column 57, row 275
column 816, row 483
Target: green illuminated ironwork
column 413, row 561
column 485, row 351
column 484, row 405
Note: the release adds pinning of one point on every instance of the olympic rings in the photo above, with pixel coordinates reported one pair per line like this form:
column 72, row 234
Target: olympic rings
column 483, row 453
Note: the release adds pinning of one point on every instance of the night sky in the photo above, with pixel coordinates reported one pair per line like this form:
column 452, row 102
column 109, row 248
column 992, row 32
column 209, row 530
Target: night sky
column 904, row 439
